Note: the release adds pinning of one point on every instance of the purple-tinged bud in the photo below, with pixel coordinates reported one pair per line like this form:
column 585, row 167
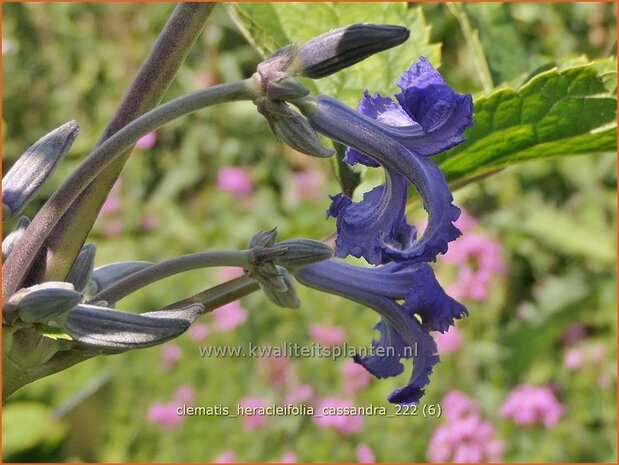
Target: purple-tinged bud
column 81, row 271
column 296, row 132
column 263, row 238
column 34, row 168
column 287, row 298
column 112, row 331
column 14, row 236
column 302, row 252
column 104, row 276
column 340, row 48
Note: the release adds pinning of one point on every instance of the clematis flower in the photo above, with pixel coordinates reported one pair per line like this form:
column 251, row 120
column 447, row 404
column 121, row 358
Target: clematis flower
column 428, row 119
column 404, row 327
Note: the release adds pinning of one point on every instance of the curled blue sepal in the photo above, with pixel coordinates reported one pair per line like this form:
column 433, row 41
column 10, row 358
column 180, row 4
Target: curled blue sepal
column 382, row 288
column 112, row 331
column 376, row 228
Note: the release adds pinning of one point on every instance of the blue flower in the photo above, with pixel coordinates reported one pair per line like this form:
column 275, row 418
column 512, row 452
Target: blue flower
column 376, row 228
column 429, row 118
column 404, row 327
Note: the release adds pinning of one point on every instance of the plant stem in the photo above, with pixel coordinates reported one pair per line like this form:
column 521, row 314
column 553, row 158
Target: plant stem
column 149, row 85
column 219, row 295
column 18, row 263
column 177, row 265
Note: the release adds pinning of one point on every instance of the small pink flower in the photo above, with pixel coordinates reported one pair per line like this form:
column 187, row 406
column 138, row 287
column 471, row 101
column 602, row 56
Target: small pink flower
column 457, row 405
column 254, row 420
column 465, row 221
column 229, row 316
column 465, row 439
column 148, row 223
column 184, row 395
column 300, row 394
column 478, row 258
column 529, row 405
column 198, row 332
column 597, row 352
column 164, row 415
column 364, row 454
column 228, row 456
column 573, row 359
column 288, row 457
column 170, row 355
column 113, row 227
column 449, row 341
column 147, row 141
column 276, row 370
column 331, row 413
column 228, row 273
column 326, row 335
column 356, row 378
column 574, row 334
column 112, row 202
column 235, row 181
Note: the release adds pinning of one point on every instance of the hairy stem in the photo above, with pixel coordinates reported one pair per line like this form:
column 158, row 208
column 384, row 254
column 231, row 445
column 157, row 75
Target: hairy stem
column 148, row 87
column 18, row 263
column 153, row 273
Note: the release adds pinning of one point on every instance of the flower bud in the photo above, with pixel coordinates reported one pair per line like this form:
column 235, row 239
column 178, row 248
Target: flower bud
column 263, row 238
column 111, row 331
column 44, row 302
column 81, row 271
column 11, row 240
column 104, row 276
column 345, row 46
column 286, row 88
column 298, row 134
column 302, row 252
column 34, row 168
column 269, row 276
column 288, row 298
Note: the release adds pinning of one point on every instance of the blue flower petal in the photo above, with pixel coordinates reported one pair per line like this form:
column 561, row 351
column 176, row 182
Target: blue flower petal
column 380, row 216
column 427, row 299
column 385, row 361
column 379, row 288
column 366, row 228
column 386, row 111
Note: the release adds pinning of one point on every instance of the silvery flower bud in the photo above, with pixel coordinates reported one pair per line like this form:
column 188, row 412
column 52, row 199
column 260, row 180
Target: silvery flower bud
column 81, row 271
column 296, row 132
column 111, row 331
column 268, row 276
column 288, row 298
column 302, row 252
column 263, row 238
column 104, row 276
column 13, row 238
column 44, row 302
column 337, row 49
column 34, row 168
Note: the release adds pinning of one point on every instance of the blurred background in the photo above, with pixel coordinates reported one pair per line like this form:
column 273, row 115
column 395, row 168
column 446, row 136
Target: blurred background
column 529, row 376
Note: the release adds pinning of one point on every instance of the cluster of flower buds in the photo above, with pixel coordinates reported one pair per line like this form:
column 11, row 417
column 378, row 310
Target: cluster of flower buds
column 319, row 57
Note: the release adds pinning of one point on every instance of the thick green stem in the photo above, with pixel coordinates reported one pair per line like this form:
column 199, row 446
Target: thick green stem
column 23, row 255
column 154, row 273
column 149, row 85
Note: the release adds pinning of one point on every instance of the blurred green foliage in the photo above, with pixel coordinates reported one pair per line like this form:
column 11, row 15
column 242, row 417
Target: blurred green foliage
column 555, row 219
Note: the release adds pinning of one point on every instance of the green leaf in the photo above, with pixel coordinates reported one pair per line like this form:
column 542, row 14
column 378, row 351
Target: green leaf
column 558, row 112
column 270, row 26
column 505, row 53
column 27, row 425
